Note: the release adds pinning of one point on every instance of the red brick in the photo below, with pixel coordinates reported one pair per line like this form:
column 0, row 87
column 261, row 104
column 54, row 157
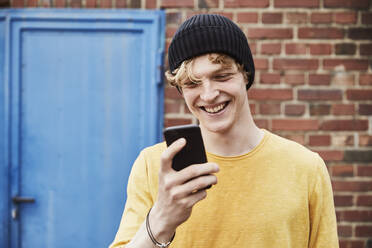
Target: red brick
column 295, row 48
column 93, row 4
column 319, row 79
column 60, row 3
column 253, row 47
column 122, row 4
column 223, row 13
column 365, row 49
column 365, row 140
column 270, row 33
column 172, row 107
column 360, row 33
column 365, row 79
column 17, row 3
column 208, row 4
column 170, row 31
column 320, row 49
column 294, row 109
column 319, row 140
column 345, row 49
column 359, row 94
column 365, row 109
column 247, row 17
column 270, row 94
column 349, row 64
column 150, row 4
column 353, row 186
column 362, row 4
column 294, row 79
column 343, row 171
column 296, row 64
column 322, row 18
column 345, row 125
column 262, row 123
column 364, row 171
column 342, row 140
column 364, row 200
column 32, row 3
column 296, row 18
column 363, row 231
column 75, row 3
column 269, row 108
column 344, row 231
column 176, row 121
column 356, row 215
column 247, row 3
column 320, row 33
column 343, row 109
column 172, row 93
column 296, row 4
column 351, row 244
column 296, row 138
column 345, row 17
column 177, row 3
column 261, row 64
column 272, row 18
column 316, row 95
column 343, row 200
column 252, row 107
column 320, row 109
column 106, row 4
column 135, row 4
column 270, row 78
column 271, row 48
column 330, row 155
column 343, row 79
column 173, row 18
column 366, row 18
column 294, row 125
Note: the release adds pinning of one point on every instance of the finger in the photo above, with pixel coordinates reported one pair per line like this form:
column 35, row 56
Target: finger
column 194, row 185
column 170, row 152
column 196, row 170
column 192, row 199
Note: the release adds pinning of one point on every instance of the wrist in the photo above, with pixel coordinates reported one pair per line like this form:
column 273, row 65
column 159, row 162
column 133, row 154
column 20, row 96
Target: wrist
column 159, row 228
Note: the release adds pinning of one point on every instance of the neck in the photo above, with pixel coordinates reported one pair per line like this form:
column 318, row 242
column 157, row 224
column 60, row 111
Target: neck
column 234, row 142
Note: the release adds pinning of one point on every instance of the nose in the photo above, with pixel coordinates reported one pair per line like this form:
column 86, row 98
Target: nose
column 209, row 92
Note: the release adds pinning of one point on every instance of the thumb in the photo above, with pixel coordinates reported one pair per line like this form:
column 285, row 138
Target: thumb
column 170, row 152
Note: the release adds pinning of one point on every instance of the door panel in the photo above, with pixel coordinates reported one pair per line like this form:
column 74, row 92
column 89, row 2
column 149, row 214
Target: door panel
column 81, row 94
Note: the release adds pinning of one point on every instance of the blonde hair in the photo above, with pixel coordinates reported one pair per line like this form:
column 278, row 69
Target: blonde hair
column 183, row 74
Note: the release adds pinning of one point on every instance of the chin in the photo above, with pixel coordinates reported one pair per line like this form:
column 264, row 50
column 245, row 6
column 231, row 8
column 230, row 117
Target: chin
column 217, row 128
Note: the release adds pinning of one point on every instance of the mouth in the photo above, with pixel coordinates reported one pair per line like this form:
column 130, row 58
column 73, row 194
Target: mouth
column 215, row 109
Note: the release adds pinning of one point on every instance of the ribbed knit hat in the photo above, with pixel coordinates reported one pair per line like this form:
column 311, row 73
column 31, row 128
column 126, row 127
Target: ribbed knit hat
column 210, row 33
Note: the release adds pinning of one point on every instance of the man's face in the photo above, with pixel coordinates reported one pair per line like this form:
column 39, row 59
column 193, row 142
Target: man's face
column 219, row 100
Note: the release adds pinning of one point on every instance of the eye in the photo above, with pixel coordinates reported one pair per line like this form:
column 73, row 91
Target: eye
column 223, row 77
column 190, row 84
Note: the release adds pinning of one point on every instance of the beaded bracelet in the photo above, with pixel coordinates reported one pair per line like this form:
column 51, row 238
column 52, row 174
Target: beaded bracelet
column 158, row 244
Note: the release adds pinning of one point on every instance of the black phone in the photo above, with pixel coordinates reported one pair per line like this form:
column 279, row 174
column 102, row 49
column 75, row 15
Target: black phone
column 193, row 152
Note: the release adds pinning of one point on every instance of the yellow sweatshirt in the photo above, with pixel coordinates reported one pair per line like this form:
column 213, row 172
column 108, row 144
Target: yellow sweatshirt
column 277, row 195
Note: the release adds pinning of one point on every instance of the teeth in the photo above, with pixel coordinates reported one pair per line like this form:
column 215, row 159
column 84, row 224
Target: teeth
column 215, row 109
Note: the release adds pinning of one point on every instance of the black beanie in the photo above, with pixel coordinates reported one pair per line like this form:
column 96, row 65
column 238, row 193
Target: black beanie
column 210, row 33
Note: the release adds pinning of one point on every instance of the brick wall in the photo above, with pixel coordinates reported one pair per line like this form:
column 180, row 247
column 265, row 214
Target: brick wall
column 313, row 84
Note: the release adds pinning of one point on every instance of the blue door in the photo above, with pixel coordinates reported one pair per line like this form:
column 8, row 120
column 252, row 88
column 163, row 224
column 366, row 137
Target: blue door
column 81, row 95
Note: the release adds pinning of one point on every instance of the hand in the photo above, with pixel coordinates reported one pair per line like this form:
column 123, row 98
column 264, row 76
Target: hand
column 178, row 191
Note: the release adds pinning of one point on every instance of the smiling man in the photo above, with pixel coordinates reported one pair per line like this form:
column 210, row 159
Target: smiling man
column 270, row 192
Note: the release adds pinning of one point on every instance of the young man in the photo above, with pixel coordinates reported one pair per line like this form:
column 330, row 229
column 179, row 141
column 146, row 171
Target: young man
column 271, row 192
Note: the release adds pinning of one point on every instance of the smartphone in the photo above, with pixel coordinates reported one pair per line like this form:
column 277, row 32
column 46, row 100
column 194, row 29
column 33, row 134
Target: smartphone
column 193, row 152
